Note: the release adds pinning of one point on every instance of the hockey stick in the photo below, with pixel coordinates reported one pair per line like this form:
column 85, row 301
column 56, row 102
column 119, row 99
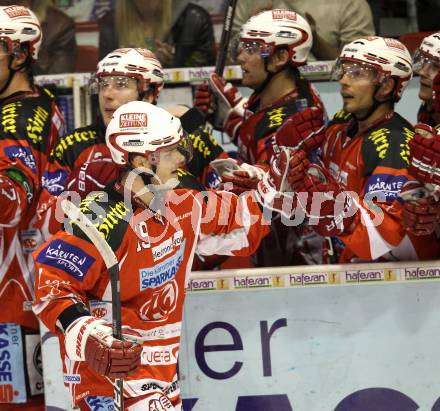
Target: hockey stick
column 221, row 59
column 225, row 38
column 74, row 213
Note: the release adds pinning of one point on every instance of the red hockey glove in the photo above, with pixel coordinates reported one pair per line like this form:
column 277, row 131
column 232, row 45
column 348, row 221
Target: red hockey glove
column 304, row 130
column 425, row 154
column 236, row 177
column 436, row 93
column 229, row 111
column 273, row 191
column 421, row 211
column 298, row 166
column 90, row 339
column 92, row 176
column 330, row 209
column 203, row 98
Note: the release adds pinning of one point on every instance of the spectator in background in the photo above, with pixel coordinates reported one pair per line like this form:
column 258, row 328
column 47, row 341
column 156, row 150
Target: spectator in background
column 334, row 23
column 180, row 33
column 58, row 48
column 427, row 15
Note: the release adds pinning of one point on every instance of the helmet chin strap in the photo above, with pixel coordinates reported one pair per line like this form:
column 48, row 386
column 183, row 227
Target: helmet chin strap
column 374, row 106
column 269, row 75
column 11, row 74
column 146, row 93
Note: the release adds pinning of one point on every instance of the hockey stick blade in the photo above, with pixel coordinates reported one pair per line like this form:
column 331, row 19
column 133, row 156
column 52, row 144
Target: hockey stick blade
column 111, row 262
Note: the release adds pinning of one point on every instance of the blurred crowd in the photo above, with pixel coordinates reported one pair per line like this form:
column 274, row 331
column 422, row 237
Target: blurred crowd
column 186, row 33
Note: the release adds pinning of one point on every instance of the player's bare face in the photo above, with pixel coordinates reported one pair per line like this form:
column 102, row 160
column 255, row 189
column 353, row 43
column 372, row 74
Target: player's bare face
column 170, row 160
column 252, row 66
column 4, row 63
column 113, row 92
column 427, row 66
column 357, row 89
column 427, row 73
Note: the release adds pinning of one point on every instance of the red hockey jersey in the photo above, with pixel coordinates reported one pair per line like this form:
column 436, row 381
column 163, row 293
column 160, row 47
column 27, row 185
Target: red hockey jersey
column 29, row 123
column 155, row 251
column 260, row 125
column 374, row 165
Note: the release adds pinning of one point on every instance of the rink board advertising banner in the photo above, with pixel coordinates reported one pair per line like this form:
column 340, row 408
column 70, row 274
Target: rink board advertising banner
column 343, row 338
column 284, row 345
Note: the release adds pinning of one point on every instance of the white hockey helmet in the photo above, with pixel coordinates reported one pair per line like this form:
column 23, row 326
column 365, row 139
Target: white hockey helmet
column 387, row 56
column 19, row 25
column 275, row 28
column 143, row 128
column 139, row 63
column 428, row 52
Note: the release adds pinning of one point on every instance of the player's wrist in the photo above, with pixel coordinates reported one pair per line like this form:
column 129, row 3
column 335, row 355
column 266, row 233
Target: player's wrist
column 76, row 336
column 70, row 315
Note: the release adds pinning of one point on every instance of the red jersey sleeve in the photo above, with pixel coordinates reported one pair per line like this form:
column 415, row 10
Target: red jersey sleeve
column 67, row 267
column 230, row 224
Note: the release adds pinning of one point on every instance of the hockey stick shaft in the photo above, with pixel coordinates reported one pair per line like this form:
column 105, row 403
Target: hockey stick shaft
column 226, row 37
column 111, row 262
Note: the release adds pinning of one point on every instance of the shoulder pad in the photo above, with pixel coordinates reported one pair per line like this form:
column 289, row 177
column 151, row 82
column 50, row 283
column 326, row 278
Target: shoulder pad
column 27, row 119
column 68, row 147
column 47, row 92
column 109, row 214
column 273, row 118
column 340, row 117
column 387, row 145
column 189, row 181
column 205, row 150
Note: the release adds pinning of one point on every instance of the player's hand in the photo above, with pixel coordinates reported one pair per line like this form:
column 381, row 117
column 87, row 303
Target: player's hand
column 273, row 191
column 298, row 166
column 236, row 177
column 304, row 130
column 421, row 210
column 203, row 98
column 425, row 154
column 229, row 110
column 90, row 339
column 331, row 209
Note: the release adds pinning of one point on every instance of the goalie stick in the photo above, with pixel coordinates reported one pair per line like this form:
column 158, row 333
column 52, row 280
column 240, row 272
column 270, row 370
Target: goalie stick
column 109, row 257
